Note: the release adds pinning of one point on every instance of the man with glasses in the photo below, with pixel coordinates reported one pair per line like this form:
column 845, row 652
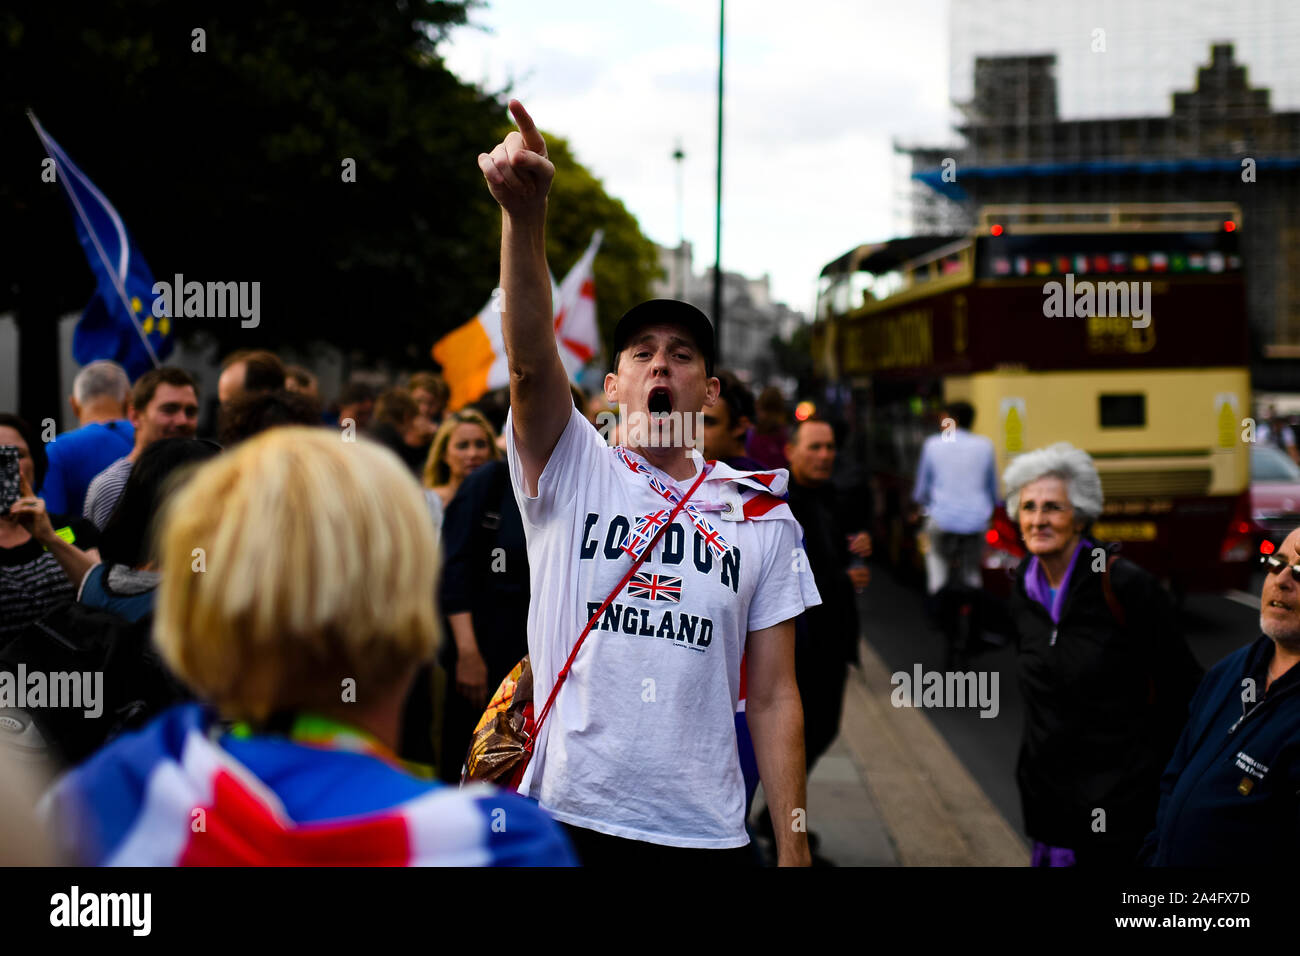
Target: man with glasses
column 1230, row 795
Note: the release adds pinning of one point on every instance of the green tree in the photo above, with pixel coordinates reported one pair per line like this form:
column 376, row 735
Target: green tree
column 227, row 165
column 794, row 357
column 627, row 261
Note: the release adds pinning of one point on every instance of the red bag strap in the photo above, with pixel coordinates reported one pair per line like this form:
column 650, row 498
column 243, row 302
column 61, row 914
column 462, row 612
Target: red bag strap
column 564, row 671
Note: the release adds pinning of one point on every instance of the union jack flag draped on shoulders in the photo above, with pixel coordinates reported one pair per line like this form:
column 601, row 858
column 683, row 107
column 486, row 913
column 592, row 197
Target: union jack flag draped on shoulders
column 731, row 494
column 181, row 793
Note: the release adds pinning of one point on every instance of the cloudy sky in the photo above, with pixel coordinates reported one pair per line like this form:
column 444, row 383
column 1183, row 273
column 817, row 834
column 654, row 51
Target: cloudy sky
column 817, row 91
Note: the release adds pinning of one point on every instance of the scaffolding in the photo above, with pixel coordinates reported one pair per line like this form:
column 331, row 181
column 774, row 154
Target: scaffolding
column 1220, row 142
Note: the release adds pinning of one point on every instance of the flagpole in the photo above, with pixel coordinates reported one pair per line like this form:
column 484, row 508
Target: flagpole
column 596, row 239
column 61, row 175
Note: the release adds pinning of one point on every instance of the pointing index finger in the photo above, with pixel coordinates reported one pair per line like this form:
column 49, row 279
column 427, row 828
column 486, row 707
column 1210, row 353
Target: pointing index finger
column 527, row 128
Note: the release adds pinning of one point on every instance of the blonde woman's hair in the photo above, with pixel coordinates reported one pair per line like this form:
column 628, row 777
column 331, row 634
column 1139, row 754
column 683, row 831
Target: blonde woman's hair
column 436, row 470
column 291, row 564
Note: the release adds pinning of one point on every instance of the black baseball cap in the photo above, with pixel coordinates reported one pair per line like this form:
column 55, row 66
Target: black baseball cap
column 666, row 312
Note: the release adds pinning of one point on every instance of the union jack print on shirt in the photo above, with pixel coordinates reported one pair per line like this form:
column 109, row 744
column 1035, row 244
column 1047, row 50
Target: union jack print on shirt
column 655, row 587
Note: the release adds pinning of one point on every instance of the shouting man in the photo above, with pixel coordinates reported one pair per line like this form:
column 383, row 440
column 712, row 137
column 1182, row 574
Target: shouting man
column 638, row 757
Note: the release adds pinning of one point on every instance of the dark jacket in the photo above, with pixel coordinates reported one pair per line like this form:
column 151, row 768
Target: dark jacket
column 827, row 520
column 414, row 456
column 1104, row 705
column 1231, row 793
column 485, row 569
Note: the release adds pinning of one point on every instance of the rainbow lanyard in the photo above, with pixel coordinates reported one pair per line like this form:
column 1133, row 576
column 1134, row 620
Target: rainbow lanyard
column 646, row 525
column 314, row 730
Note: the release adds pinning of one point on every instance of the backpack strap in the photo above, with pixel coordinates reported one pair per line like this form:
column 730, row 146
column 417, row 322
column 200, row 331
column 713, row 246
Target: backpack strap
column 1112, row 602
column 1117, row 611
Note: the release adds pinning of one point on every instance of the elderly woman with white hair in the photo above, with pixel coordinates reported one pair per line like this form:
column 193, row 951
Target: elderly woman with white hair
column 1103, row 669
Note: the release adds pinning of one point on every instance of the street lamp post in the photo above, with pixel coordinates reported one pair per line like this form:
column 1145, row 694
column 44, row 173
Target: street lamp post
column 680, row 291
column 717, row 212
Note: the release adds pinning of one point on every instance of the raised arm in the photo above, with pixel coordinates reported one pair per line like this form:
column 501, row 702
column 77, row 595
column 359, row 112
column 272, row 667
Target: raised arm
column 519, row 177
column 30, row 512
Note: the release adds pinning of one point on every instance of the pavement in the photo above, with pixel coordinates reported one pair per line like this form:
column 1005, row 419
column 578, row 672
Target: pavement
column 891, row 792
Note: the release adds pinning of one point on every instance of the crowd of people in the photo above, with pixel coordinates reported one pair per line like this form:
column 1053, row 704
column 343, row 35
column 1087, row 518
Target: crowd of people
column 95, row 574
column 299, row 624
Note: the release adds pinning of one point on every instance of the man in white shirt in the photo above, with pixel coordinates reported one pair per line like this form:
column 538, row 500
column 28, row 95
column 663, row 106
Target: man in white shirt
column 957, row 484
column 638, row 757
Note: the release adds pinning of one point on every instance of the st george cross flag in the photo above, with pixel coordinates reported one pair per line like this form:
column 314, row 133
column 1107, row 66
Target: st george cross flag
column 118, row 323
column 575, row 317
column 473, row 356
column 179, row 793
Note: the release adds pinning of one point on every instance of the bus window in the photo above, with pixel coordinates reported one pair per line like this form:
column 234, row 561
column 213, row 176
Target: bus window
column 885, row 284
column 863, row 290
column 1123, row 411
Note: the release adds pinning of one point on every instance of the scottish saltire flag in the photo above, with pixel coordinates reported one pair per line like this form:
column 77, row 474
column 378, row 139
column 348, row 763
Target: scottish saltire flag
column 473, row 355
column 176, row 794
column 118, row 323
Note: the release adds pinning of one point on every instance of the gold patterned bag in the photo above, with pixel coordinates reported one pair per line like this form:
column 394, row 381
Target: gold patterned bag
column 498, row 752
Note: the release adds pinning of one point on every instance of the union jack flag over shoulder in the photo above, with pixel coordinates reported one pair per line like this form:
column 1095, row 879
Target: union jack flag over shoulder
column 731, row 494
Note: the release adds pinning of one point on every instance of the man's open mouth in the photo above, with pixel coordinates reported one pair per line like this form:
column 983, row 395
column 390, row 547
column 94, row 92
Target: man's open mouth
column 660, row 401
column 1285, row 607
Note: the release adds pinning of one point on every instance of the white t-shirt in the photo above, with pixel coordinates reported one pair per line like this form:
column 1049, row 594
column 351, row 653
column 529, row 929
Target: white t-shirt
column 641, row 741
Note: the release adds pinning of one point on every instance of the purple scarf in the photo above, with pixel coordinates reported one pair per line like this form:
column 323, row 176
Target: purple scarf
column 1045, row 855
column 1036, row 585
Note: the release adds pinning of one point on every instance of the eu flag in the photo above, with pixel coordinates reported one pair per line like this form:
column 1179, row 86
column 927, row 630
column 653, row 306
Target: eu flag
column 119, row 323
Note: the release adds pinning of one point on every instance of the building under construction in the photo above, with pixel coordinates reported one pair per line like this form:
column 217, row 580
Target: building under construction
column 1221, row 141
